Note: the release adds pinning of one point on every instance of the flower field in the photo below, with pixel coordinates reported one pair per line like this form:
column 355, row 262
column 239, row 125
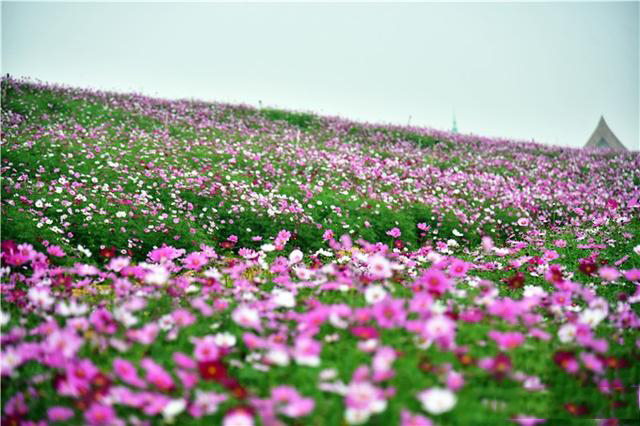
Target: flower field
column 196, row 263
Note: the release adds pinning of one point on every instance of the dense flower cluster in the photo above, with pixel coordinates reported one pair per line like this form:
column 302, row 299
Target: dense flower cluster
column 191, row 263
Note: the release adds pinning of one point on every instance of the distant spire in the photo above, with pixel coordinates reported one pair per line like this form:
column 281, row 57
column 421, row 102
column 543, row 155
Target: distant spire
column 454, row 126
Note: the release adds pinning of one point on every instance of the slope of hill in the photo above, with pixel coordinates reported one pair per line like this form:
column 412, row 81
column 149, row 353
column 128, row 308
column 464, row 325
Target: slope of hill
column 285, row 267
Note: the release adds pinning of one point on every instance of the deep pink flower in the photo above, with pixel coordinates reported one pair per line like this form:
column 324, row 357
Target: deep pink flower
column 507, row 340
column 206, row 349
column 59, row 414
column 394, row 232
column 127, row 372
column 100, row 415
column 608, row 273
column 157, row 375
column 458, row 268
column 195, row 261
column 435, row 281
column 389, row 312
column 55, row 251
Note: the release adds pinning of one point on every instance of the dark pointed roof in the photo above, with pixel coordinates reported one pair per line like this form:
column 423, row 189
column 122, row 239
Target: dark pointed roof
column 603, row 137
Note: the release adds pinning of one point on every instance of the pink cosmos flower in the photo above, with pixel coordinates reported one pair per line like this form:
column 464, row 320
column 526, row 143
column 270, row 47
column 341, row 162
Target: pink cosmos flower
column 248, row 253
column 281, row 239
column 632, row 274
column 507, row 340
column 100, row 415
column 290, row 403
column 59, row 414
column 608, row 273
column 382, row 361
column 183, row 317
column 238, row 417
column 362, row 400
column 206, row 349
column 165, row 254
column 127, row 372
column 592, row 362
column 379, row 267
column 184, row 361
column 146, row 335
column 327, row 235
column 55, row 251
column 458, row 268
column 245, row 316
column 440, row 328
column 435, row 281
column 523, row 420
column 560, row 243
column 306, row 351
column 508, row 309
column 409, row 419
column 394, row 232
column 157, row 375
column 206, row 403
column 365, row 332
column 454, row 380
column 389, row 312
column 487, row 244
column 195, row 261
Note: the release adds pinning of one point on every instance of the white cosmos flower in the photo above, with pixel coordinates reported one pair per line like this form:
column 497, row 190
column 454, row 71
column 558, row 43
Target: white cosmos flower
column 172, row 409
column 295, row 257
column 592, row 317
column 4, row 318
column 283, row 298
column 379, row 266
column 224, row 340
column 73, row 308
column 567, row 333
column 374, row 294
column 157, row 274
column 437, row 400
column 533, row 291
column 40, row 297
column 278, row 356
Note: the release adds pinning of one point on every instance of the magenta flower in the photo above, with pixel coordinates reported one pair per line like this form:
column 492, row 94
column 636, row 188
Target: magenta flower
column 59, row 414
column 206, row 349
column 507, row 340
column 157, row 375
column 458, row 268
column 184, row 361
column 389, row 312
column 394, row 232
column 55, row 251
column 183, row 317
column 409, row 419
column 127, row 372
column 435, row 281
column 454, row 380
column 195, row 261
column 165, row 254
column 632, row 274
column 100, row 415
column 608, row 273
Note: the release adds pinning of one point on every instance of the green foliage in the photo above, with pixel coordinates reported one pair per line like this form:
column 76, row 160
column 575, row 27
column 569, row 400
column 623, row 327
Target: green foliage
column 297, row 119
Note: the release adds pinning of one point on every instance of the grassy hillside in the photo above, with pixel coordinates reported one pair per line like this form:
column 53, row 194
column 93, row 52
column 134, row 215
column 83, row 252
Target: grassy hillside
column 195, row 262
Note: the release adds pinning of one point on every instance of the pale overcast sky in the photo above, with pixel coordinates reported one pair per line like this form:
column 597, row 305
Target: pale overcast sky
column 543, row 71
